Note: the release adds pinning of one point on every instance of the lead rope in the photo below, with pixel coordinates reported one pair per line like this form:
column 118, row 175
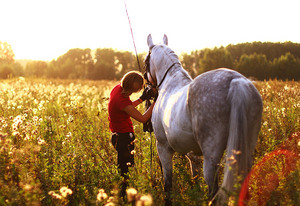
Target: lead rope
column 137, row 58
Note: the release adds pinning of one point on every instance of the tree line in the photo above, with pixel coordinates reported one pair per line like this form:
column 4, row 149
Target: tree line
column 258, row 60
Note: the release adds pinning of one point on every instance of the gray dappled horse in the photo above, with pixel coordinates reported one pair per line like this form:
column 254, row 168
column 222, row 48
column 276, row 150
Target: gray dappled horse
column 219, row 110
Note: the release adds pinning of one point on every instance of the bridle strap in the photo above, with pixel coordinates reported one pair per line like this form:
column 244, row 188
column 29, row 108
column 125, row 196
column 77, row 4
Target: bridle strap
column 147, row 68
column 166, row 74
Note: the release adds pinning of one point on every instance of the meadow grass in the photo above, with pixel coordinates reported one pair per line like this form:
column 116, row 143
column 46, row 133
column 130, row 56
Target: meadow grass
column 55, row 146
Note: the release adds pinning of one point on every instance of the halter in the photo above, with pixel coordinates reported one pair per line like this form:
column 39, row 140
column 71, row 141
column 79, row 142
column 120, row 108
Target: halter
column 147, row 70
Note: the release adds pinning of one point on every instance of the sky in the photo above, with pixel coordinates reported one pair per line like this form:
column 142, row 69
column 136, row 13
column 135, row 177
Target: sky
column 47, row 29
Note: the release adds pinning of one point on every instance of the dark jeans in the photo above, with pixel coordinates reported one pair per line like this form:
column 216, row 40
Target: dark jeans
column 123, row 143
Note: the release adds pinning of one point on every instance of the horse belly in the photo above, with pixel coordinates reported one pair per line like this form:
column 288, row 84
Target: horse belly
column 182, row 141
column 177, row 124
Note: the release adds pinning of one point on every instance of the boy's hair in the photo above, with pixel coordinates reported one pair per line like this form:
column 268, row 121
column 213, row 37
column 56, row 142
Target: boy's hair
column 132, row 81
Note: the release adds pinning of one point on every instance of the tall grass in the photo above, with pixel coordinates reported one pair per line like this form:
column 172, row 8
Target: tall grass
column 54, row 134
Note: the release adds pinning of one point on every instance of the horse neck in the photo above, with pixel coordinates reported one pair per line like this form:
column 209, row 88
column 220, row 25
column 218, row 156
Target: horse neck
column 177, row 77
column 164, row 58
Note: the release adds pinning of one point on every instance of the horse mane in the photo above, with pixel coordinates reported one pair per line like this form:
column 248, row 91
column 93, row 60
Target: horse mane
column 171, row 54
column 174, row 59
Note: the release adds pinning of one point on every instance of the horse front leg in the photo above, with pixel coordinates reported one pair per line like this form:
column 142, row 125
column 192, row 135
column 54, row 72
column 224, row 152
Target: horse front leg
column 165, row 153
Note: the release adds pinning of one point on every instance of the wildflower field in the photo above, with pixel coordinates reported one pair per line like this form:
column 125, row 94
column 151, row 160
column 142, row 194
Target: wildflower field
column 55, row 149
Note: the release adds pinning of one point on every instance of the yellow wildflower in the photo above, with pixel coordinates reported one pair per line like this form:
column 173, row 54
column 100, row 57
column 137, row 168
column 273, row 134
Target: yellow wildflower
column 101, row 195
column 65, row 191
column 131, row 194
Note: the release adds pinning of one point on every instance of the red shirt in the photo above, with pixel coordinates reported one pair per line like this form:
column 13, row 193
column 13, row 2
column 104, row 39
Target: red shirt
column 119, row 120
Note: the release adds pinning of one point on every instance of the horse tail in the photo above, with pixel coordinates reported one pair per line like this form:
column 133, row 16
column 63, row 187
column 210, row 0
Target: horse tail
column 238, row 151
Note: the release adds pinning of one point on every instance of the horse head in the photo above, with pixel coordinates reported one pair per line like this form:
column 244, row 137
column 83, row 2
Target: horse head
column 159, row 61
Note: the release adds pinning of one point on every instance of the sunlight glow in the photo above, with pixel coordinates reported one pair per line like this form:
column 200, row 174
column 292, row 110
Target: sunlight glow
column 47, row 29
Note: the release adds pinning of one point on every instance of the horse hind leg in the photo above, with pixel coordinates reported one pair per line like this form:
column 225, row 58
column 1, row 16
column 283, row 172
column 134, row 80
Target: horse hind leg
column 210, row 173
column 213, row 153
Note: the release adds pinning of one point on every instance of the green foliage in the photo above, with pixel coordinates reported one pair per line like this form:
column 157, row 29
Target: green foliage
column 105, row 64
column 125, row 62
column 191, row 62
column 55, row 134
column 272, row 50
column 258, row 60
column 286, row 67
column 216, row 58
column 75, row 64
column 36, row 68
column 6, row 53
column 254, row 65
column 8, row 70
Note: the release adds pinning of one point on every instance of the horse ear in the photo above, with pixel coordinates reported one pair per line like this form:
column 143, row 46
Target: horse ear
column 150, row 42
column 165, row 40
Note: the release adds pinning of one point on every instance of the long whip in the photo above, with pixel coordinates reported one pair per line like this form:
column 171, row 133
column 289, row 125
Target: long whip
column 137, row 58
